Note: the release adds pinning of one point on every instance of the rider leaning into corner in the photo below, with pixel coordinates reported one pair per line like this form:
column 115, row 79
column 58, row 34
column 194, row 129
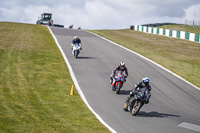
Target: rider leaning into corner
column 121, row 67
column 76, row 40
column 144, row 83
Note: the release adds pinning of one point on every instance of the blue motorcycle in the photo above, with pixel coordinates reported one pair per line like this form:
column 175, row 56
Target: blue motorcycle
column 136, row 101
column 119, row 80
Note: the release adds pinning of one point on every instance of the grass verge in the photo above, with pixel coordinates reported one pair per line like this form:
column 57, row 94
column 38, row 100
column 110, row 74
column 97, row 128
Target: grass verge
column 182, row 28
column 180, row 56
column 35, row 85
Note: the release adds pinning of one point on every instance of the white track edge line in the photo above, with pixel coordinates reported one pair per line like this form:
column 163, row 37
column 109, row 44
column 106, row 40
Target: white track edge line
column 147, row 60
column 190, row 126
column 77, row 85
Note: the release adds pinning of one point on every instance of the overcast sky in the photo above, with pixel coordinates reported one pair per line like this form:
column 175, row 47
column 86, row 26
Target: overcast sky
column 101, row 14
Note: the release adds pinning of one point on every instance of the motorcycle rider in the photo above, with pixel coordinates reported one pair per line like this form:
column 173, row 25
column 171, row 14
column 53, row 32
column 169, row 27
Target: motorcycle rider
column 121, row 67
column 76, row 40
column 144, row 83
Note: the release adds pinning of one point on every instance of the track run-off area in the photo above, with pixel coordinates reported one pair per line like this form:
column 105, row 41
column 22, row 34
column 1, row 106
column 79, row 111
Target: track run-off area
column 174, row 106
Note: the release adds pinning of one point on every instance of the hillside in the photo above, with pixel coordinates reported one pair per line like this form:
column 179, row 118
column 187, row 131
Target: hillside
column 35, row 85
column 182, row 28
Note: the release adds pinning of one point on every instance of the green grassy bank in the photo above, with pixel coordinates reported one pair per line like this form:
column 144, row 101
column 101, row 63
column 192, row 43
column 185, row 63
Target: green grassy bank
column 35, row 85
column 185, row 28
column 180, row 56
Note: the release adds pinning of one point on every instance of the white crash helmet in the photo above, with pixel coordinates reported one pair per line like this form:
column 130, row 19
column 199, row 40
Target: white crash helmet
column 145, row 80
column 76, row 38
column 122, row 65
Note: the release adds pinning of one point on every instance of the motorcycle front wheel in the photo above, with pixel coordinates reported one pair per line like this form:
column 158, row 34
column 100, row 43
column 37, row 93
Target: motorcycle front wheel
column 75, row 53
column 119, row 85
column 125, row 107
column 136, row 108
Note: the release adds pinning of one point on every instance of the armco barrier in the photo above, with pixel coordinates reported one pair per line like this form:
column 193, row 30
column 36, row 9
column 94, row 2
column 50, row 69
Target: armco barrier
column 182, row 34
column 174, row 33
column 187, row 35
column 197, row 38
column 178, row 34
column 169, row 33
column 164, row 32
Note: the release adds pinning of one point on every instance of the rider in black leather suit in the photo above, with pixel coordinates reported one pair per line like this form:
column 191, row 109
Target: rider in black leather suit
column 144, row 83
column 122, row 68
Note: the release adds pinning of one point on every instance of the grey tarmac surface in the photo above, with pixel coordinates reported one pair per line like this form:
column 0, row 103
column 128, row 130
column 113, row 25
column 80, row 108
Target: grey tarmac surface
column 173, row 101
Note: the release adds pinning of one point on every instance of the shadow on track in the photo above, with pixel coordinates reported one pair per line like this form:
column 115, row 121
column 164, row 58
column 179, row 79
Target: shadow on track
column 155, row 114
column 81, row 57
column 124, row 92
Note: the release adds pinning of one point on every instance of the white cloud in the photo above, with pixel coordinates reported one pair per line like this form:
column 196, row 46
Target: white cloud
column 193, row 12
column 101, row 14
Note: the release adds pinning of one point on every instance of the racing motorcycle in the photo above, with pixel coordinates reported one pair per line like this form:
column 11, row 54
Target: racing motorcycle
column 76, row 50
column 136, row 101
column 118, row 81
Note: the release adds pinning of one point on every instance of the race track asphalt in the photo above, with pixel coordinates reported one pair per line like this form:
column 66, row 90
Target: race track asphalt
column 174, row 104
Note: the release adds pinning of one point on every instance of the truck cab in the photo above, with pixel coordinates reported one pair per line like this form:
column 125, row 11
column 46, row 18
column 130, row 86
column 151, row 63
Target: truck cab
column 45, row 19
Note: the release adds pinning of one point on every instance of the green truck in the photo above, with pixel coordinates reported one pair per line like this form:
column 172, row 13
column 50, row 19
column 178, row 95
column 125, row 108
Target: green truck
column 46, row 20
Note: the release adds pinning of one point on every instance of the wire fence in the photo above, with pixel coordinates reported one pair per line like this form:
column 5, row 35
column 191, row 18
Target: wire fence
column 192, row 23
